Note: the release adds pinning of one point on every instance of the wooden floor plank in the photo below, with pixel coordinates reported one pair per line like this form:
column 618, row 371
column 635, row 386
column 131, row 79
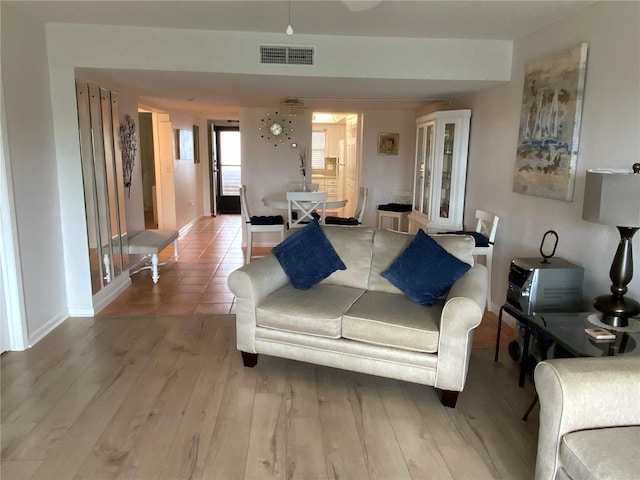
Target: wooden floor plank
column 227, row 455
column 465, row 463
column 267, row 452
column 11, row 435
column 19, row 470
column 382, row 451
column 305, row 451
column 420, row 452
column 342, row 445
column 191, row 443
column 72, row 449
column 301, row 390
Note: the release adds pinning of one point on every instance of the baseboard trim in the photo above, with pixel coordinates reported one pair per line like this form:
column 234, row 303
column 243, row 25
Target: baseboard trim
column 45, row 329
column 108, row 294
column 188, row 226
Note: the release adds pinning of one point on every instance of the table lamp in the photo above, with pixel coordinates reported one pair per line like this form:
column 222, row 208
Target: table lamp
column 612, row 197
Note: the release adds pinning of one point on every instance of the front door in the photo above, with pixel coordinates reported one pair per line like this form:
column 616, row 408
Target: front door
column 228, row 161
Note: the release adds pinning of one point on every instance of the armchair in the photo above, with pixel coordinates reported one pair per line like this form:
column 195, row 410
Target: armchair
column 589, row 418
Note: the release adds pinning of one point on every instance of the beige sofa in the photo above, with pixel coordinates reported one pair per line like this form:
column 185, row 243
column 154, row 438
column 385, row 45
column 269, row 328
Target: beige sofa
column 357, row 320
column 589, row 418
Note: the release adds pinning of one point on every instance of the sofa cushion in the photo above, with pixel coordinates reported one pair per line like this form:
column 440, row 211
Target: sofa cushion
column 317, row 311
column 388, row 245
column 425, row 271
column 393, row 320
column 354, row 245
column 601, row 453
column 307, row 256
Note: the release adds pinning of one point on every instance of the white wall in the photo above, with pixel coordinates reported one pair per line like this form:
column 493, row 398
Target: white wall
column 609, row 138
column 32, row 159
column 186, row 178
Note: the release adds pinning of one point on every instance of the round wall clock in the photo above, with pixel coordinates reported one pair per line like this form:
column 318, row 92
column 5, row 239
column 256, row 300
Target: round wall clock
column 276, row 129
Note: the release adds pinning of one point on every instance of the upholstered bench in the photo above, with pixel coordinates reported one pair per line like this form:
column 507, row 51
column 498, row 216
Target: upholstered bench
column 152, row 242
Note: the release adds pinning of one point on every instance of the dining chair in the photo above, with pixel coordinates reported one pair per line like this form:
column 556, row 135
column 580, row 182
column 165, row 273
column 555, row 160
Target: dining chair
column 358, row 216
column 397, row 211
column 484, row 236
column 258, row 224
column 487, row 227
column 306, row 205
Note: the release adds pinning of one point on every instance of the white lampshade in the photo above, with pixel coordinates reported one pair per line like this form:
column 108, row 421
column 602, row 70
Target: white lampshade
column 612, row 197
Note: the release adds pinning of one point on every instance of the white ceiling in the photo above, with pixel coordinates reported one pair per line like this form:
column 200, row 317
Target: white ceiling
column 499, row 20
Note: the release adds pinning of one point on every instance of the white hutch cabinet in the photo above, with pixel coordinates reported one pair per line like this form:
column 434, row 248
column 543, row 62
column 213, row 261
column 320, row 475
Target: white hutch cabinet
column 440, row 171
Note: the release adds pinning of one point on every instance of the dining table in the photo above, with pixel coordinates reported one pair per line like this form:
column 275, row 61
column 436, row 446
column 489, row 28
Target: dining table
column 279, row 202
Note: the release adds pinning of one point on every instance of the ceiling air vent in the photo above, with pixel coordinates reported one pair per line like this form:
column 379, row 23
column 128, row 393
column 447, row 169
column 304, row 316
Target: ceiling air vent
column 286, row 55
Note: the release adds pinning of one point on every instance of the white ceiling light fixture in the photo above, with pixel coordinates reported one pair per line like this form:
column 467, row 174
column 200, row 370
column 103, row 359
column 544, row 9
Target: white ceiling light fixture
column 289, row 30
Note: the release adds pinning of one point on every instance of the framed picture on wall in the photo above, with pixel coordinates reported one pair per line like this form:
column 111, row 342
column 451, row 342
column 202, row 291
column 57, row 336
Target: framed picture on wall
column 196, row 144
column 388, row 143
column 184, row 144
column 547, row 155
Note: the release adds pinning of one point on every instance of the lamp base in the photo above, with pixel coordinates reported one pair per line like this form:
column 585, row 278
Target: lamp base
column 616, row 310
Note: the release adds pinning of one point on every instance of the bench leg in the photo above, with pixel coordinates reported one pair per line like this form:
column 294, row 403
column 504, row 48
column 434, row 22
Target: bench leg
column 154, row 268
column 175, row 249
column 106, row 260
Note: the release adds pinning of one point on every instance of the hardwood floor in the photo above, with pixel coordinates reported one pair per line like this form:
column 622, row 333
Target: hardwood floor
column 158, row 396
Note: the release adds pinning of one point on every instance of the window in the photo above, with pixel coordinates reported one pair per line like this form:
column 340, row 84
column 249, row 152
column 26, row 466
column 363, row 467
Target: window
column 318, row 141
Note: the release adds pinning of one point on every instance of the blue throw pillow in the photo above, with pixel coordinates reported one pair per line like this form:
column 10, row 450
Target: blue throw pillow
column 425, row 271
column 307, row 256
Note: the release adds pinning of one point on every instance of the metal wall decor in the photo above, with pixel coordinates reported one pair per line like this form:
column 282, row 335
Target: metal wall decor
column 276, row 129
column 129, row 146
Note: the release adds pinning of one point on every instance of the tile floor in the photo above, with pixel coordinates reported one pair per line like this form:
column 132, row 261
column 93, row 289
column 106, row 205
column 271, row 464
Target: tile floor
column 197, row 282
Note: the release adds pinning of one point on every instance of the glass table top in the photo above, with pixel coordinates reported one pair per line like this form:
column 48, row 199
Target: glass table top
column 568, row 330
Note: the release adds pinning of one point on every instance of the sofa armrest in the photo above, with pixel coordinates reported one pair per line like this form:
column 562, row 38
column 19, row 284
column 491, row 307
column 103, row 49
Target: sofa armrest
column 583, row 393
column 251, row 284
column 461, row 314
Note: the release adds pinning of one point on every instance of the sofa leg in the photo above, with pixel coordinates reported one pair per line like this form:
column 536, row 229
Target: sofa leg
column 448, row 398
column 250, row 360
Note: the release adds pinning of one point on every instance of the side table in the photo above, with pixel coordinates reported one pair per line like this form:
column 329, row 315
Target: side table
column 567, row 331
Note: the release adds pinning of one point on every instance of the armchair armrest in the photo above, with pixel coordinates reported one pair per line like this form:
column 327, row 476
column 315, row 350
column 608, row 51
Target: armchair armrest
column 461, row 314
column 251, row 284
column 583, row 393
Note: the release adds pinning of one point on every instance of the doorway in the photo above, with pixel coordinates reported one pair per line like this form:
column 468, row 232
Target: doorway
column 227, row 166
column 335, row 156
column 148, row 171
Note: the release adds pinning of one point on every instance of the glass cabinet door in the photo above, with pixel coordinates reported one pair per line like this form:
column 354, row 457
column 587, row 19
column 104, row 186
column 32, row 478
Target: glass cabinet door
column 418, row 174
column 447, row 170
column 428, row 169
